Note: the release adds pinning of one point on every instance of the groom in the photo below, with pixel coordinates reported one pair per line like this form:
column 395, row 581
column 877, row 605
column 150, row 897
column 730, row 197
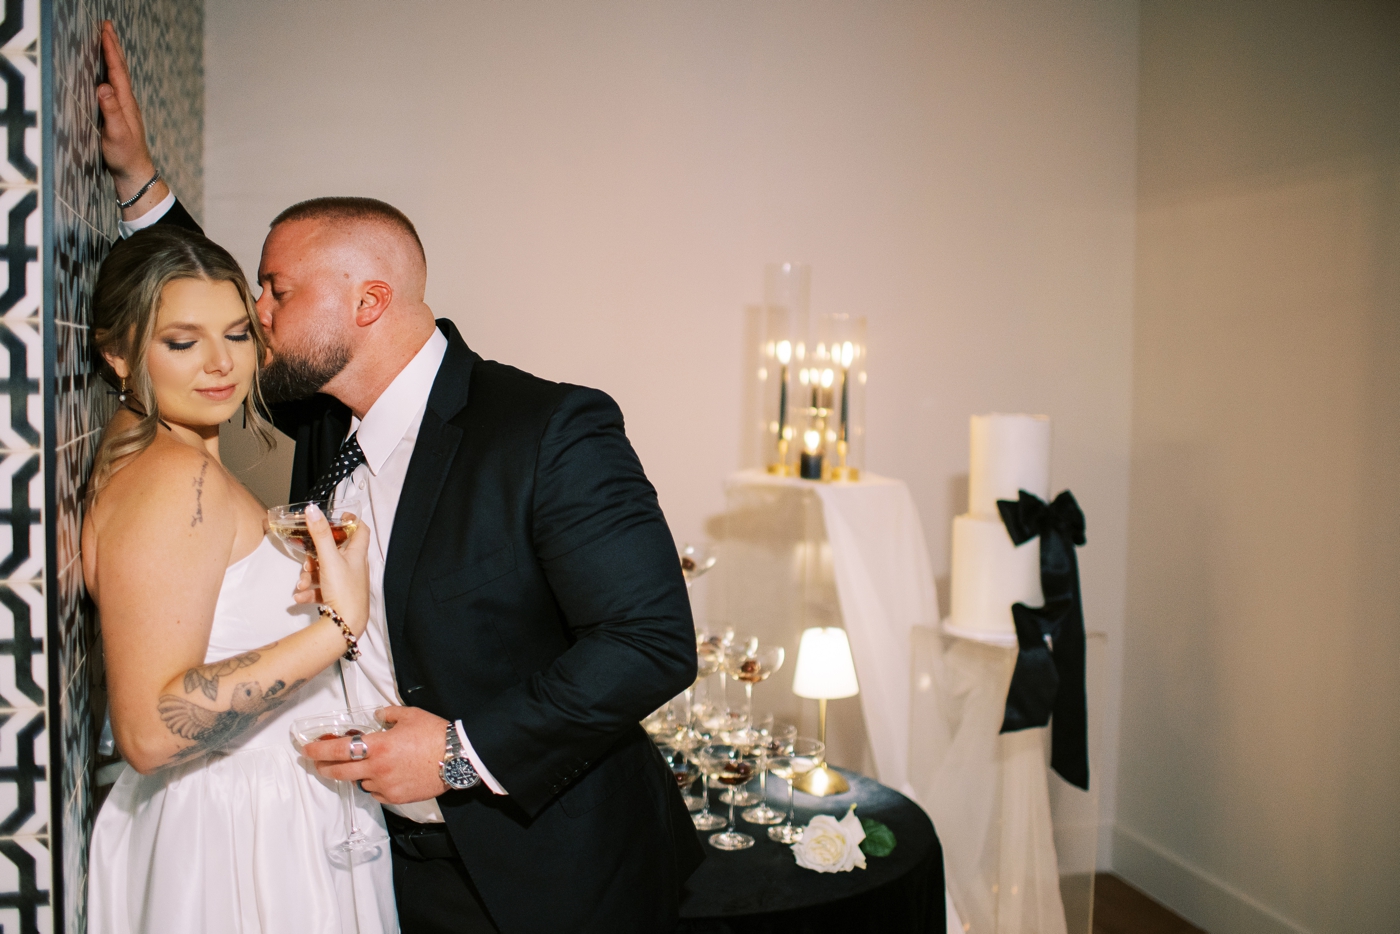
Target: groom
column 528, row 606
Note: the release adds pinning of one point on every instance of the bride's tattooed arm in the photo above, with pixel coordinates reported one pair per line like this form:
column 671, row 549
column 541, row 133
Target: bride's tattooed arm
column 206, row 677
column 213, row 729
column 170, row 703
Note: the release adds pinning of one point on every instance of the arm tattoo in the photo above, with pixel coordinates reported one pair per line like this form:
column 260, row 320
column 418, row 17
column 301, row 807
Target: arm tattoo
column 206, row 677
column 212, row 729
column 198, row 484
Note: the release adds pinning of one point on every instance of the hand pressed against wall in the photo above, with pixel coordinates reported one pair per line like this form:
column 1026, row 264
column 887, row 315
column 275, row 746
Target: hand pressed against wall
column 124, row 147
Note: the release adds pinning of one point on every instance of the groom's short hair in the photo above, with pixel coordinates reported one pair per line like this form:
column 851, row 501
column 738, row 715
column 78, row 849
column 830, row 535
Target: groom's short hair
column 348, row 210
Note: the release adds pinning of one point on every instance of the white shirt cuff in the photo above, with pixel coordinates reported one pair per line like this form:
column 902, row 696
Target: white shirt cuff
column 127, row 228
column 476, row 762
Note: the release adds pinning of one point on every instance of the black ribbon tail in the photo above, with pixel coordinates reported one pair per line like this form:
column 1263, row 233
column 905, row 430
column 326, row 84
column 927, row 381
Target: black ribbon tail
column 1035, row 682
column 1069, row 741
column 1059, row 577
column 1060, row 526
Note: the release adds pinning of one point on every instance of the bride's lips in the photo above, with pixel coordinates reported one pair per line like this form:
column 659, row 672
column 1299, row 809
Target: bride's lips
column 218, row 393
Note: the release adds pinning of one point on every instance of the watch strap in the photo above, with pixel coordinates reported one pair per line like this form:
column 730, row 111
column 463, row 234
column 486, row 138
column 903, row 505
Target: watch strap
column 455, row 769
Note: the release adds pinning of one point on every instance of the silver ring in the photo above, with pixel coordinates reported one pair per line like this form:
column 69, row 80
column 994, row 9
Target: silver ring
column 359, row 749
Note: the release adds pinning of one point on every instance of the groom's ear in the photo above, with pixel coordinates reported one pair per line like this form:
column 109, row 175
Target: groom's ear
column 375, row 297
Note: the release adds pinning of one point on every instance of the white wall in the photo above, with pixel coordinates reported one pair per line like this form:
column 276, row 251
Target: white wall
column 600, row 184
column 1260, row 750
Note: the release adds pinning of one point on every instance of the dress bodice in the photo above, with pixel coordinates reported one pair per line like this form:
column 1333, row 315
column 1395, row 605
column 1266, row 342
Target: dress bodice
column 254, row 609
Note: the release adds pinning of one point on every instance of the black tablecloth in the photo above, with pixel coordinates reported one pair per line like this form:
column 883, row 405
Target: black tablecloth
column 762, row 890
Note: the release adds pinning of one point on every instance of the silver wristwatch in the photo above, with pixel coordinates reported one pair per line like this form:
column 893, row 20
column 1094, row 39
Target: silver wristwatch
column 455, row 768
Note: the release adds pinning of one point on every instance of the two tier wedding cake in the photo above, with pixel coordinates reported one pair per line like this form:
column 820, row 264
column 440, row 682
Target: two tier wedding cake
column 1010, row 453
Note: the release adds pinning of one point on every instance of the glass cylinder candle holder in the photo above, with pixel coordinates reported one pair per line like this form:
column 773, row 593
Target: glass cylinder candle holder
column 786, row 287
column 839, row 366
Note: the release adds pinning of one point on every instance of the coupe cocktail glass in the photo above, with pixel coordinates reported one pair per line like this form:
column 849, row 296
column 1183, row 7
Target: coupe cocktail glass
column 732, row 766
column 696, row 560
column 751, row 663
column 685, row 772
column 336, row 724
column 288, row 523
column 775, row 741
column 805, row 756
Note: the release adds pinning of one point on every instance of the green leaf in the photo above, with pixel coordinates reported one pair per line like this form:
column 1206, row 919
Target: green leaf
column 879, row 839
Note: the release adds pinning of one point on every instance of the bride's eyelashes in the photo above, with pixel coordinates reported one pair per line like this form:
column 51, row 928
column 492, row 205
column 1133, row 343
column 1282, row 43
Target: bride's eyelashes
column 241, row 337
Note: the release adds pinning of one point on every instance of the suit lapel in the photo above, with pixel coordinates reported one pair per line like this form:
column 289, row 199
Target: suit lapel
column 433, row 453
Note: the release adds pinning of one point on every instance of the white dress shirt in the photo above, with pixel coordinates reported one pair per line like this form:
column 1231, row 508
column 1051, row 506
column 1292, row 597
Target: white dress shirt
column 127, row 228
column 387, row 435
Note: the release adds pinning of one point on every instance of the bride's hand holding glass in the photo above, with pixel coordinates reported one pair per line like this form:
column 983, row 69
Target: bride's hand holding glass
column 337, row 577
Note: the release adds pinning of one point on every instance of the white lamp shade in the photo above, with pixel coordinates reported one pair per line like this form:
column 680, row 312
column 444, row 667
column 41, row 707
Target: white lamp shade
column 825, row 669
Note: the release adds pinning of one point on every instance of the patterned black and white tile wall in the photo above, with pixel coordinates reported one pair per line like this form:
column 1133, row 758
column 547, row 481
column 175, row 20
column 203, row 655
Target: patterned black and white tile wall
column 26, row 863
column 59, row 219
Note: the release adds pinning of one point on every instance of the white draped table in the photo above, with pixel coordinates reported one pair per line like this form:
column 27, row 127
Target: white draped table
column 885, row 589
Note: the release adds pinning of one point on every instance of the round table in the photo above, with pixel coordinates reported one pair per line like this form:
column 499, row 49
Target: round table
column 762, row 890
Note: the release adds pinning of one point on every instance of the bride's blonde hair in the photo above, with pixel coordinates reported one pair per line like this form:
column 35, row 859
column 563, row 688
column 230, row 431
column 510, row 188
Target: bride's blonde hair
column 125, row 302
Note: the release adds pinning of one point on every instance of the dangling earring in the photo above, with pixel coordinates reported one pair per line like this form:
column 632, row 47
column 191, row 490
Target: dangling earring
column 121, row 393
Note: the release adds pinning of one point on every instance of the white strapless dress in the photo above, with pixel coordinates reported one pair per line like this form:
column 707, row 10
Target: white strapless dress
column 237, row 842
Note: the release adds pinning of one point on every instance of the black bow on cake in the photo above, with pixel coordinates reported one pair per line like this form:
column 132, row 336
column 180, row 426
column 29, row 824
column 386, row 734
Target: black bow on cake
column 1049, row 674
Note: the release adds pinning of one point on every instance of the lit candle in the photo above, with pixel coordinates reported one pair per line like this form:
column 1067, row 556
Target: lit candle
column 847, row 355
column 784, row 356
column 812, row 455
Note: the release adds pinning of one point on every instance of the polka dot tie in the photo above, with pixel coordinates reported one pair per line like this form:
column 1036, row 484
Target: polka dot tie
column 346, row 460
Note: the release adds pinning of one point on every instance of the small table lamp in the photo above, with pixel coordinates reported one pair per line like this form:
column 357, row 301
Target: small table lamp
column 825, row 671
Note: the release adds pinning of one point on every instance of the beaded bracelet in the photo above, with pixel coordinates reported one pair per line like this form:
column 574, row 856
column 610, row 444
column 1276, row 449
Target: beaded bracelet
column 144, row 188
column 352, row 644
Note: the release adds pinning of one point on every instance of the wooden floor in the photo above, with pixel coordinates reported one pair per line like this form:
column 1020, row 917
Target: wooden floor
column 1121, row 909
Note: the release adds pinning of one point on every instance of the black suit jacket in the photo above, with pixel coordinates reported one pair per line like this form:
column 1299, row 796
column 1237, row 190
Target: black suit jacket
column 532, row 591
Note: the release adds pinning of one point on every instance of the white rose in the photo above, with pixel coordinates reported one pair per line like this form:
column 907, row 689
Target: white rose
column 829, row 845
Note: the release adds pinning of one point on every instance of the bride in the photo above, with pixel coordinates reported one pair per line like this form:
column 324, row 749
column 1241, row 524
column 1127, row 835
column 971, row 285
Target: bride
column 217, row 825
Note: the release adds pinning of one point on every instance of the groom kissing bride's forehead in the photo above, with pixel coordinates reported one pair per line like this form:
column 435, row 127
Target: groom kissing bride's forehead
column 330, row 269
column 527, row 605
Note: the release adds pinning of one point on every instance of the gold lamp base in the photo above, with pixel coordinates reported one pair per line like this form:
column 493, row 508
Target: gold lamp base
column 822, row 781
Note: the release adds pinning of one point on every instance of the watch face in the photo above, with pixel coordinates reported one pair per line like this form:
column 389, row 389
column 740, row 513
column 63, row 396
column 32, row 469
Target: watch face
column 459, row 774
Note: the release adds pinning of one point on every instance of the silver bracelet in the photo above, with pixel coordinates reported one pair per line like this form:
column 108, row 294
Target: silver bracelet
column 144, row 188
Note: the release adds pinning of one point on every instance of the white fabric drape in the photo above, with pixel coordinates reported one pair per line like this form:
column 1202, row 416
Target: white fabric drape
column 886, row 588
column 987, row 792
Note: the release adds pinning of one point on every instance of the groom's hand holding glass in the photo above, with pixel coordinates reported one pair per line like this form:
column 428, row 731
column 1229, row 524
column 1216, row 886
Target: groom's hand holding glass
column 403, row 760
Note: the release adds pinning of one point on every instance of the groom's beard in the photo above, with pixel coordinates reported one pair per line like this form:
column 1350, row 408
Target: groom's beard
column 300, row 375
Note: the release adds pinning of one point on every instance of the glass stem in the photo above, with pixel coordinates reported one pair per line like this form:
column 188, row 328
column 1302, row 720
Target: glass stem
column 748, row 701
column 792, row 807
column 347, row 799
column 763, row 788
column 347, row 794
column 732, row 795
